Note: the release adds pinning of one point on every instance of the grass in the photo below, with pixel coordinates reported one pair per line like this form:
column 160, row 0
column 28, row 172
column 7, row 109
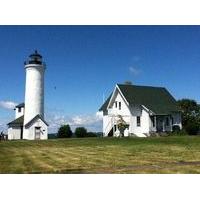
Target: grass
column 180, row 154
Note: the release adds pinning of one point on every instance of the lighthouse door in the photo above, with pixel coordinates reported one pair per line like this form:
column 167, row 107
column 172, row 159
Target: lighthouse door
column 37, row 133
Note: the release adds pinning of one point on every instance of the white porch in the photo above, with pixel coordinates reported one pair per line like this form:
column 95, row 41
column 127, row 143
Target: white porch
column 148, row 125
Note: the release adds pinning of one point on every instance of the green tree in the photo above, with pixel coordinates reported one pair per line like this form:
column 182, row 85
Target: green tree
column 64, row 131
column 190, row 111
column 190, row 115
column 81, row 132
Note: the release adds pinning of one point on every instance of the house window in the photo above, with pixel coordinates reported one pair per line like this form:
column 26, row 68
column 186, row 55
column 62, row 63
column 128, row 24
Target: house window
column 172, row 120
column 19, row 109
column 115, row 104
column 120, row 105
column 138, row 121
column 167, row 121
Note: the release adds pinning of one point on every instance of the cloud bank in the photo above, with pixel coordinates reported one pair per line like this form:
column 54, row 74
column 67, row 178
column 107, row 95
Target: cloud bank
column 93, row 122
column 10, row 105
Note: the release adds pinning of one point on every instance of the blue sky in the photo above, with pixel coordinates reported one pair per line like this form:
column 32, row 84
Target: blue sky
column 85, row 62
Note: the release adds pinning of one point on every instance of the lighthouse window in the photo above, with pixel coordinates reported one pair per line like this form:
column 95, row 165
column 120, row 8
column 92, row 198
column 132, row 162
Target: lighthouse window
column 19, row 109
column 115, row 104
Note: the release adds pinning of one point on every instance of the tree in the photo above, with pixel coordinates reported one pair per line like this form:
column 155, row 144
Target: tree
column 190, row 111
column 192, row 128
column 81, row 132
column 190, row 115
column 64, row 131
column 121, row 125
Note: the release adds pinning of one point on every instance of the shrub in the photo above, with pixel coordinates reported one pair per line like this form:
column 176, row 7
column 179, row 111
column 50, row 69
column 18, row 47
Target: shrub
column 81, row 132
column 91, row 134
column 176, row 128
column 178, row 133
column 64, row 131
column 192, row 128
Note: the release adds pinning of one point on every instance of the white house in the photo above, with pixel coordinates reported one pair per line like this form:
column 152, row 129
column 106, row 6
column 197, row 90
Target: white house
column 143, row 110
column 29, row 120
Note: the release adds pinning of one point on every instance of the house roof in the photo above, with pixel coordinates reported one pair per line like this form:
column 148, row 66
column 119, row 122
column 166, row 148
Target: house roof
column 32, row 120
column 104, row 106
column 20, row 105
column 17, row 122
column 157, row 99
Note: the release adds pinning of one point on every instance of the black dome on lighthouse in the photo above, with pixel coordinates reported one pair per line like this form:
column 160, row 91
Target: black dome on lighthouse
column 34, row 58
column 35, row 54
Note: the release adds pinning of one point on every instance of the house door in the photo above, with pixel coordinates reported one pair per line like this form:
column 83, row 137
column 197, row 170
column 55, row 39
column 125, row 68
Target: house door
column 159, row 124
column 37, row 133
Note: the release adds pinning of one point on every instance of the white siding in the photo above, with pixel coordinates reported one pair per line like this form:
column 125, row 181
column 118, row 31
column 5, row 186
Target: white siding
column 144, row 121
column 19, row 114
column 29, row 132
column 14, row 133
column 124, row 107
column 112, row 117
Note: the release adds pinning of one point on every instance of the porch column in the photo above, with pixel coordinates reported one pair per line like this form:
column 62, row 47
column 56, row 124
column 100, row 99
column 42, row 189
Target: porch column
column 163, row 124
column 171, row 125
column 155, row 123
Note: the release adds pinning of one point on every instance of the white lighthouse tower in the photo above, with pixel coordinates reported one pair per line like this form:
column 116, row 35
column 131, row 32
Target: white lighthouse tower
column 35, row 126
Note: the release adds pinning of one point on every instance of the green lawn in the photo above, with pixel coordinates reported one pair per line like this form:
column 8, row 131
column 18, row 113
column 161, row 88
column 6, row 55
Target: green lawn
column 102, row 155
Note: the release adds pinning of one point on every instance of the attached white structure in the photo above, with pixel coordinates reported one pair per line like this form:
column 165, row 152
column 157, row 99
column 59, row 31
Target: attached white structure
column 29, row 122
column 144, row 110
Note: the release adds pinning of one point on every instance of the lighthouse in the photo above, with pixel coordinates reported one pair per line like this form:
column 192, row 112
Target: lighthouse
column 34, row 125
column 29, row 120
column 34, row 88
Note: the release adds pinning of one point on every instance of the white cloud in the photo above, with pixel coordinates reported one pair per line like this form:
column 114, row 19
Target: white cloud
column 93, row 122
column 8, row 104
column 135, row 71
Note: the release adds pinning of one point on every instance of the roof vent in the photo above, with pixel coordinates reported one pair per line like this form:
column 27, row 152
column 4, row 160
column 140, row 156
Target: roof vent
column 128, row 83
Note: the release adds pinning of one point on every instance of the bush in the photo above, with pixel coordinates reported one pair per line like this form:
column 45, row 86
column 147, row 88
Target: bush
column 81, row 132
column 91, row 134
column 176, row 128
column 178, row 133
column 64, row 131
column 192, row 128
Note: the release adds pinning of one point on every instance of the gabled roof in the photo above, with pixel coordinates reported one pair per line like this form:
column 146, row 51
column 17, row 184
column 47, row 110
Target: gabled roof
column 21, row 105
column 156, row 99
column 36, row 117
column 104, row 106
column 17, row 122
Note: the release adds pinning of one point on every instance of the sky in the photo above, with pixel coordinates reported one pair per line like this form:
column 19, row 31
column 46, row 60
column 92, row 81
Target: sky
column 84, row 63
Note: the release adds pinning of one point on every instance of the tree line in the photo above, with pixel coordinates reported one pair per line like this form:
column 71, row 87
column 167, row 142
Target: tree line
column 65, row 132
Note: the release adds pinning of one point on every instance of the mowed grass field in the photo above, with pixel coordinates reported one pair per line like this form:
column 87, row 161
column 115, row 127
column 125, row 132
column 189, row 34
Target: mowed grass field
column 102, row 155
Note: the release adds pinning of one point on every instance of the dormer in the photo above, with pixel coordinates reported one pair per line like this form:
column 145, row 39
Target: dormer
column 19, row 110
